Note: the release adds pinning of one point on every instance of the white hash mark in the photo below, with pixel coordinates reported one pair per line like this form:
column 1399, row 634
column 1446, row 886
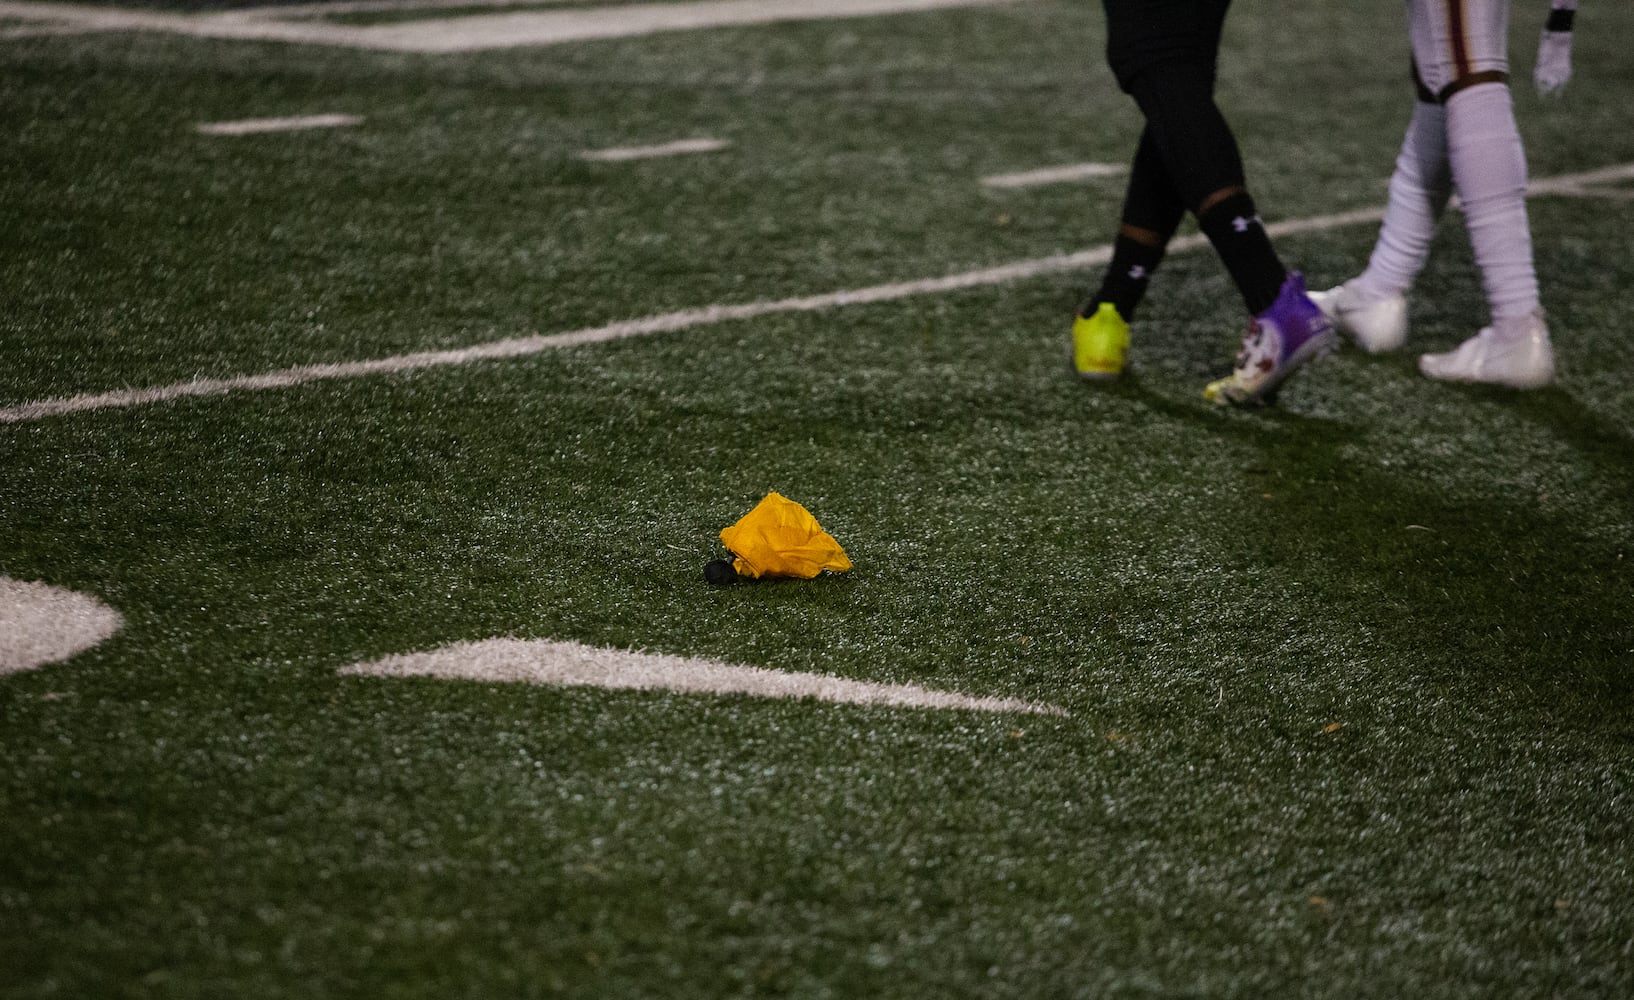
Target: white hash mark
column 572, row 664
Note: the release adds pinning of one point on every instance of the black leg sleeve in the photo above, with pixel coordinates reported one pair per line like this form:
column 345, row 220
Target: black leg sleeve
column 1190, row 135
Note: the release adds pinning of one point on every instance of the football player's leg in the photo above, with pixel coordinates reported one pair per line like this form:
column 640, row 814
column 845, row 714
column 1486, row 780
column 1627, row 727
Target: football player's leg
column 1141, row 34
column 1460, row 49
column 1200, row 155
column 1163, row 54
column 1204, row 164
column 1419, row 190
column 1152, row 210
column 1489, row 172
column 1372, row 307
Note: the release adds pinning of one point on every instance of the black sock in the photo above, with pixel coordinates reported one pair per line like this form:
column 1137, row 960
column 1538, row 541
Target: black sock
column 1152, row 210
column 1133, row 263
column 1238, row 235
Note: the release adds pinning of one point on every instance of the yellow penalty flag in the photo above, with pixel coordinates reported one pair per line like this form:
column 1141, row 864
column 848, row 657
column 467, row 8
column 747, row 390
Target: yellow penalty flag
column 781, row 538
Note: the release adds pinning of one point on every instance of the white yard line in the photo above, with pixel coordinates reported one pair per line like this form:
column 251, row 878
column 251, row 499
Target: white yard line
column 35, row 29
column 680, row 147
column 494, row 31
column 692, row 318
column 482, row 31
column 92, row 17
column 1594, row 191
column 1070, row 173
column 524, row 346
column 1572, row 184
column 256, row 126
column 296, row 11
column 572, row 664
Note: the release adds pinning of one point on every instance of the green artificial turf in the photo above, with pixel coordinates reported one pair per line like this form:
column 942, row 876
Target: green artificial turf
column 1349, row 679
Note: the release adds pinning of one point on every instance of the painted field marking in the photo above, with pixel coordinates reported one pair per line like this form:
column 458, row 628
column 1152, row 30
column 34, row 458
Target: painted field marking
column 687, row 319
column 293, row 11
column 42, row 624
column 256, row 126
column 680, row 147
column 46, row 29
column 572, row 664
column 1577, row 183
column 1596, row 191
column 1071, row 173
column 64, row 17
column 479, row 31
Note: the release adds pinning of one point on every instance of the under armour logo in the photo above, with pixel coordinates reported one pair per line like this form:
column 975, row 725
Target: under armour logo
column 1138, row 273
column 1241, row 224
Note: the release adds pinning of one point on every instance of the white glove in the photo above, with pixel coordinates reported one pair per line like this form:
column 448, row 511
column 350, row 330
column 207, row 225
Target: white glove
column 1554, row 66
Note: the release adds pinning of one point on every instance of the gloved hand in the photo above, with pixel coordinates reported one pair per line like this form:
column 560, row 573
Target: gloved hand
column 1554, row 66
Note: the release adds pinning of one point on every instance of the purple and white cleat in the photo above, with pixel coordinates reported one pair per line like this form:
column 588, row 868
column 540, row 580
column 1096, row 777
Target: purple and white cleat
column 1280, row 339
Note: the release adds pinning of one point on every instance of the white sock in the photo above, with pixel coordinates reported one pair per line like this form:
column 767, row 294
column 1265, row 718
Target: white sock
column 1489, row 172
column 1419, row 189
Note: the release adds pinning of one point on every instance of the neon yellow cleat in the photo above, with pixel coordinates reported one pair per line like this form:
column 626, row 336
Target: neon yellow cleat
column 1100, row 343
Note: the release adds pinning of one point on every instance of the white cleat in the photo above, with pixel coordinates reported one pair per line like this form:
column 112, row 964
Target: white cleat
column 1513, row 352
column 1377, row 326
